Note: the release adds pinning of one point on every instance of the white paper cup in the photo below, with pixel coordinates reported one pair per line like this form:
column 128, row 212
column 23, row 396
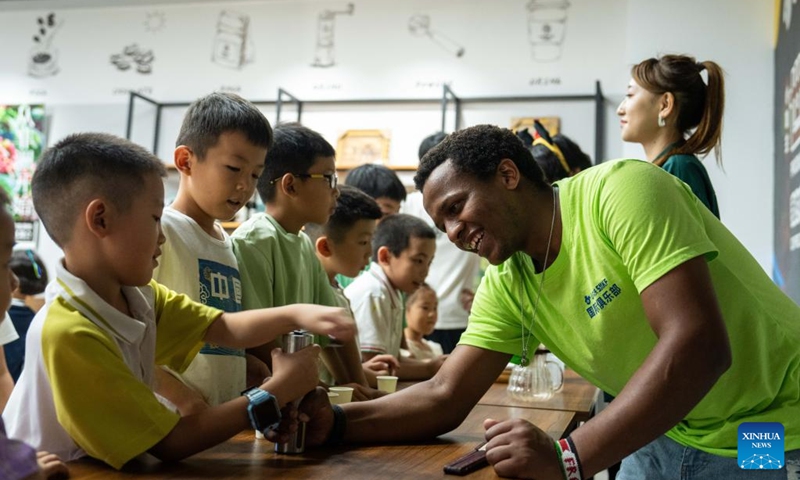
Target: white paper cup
column 334, row 398
column 345, row 393
column 387, row 383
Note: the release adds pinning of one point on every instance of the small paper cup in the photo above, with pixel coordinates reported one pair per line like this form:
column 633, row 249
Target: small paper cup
column 334, row 398
column 345, row 393
column 387, row 383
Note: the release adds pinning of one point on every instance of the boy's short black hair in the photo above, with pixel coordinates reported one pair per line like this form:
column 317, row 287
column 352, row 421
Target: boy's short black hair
column 351, row 206
column 209, row 117
column 395, row 232
column 84, row 166
column 30, row 271
column 429, row 142
column 478, row 151
column 377, row 181
column 294, row 150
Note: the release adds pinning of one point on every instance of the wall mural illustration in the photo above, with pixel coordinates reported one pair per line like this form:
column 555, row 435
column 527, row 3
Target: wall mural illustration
column 419, row 25
column 43, row 60
column 233, row 47
column 547, row 28
column 325, row 51
column 132, row 55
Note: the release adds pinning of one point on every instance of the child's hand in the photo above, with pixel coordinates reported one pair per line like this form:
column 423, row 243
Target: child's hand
column 382, row 364
column 52, row 467
column 331, row 321
column 294, row 374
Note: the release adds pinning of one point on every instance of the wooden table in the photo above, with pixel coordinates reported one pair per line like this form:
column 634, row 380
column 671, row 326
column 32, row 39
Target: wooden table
column 576, row 395
column 244, row 457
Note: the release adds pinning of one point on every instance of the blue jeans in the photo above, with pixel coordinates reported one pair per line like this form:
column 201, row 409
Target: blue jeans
column 665, row 459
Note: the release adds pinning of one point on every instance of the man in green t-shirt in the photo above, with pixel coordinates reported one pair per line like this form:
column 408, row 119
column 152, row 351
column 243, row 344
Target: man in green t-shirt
column 630, row 280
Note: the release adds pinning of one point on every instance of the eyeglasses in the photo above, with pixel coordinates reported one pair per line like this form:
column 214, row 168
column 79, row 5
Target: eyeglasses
column 37, row 269
column 332, row 178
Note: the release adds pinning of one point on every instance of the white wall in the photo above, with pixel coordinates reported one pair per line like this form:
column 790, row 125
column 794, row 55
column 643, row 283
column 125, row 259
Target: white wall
column 377, row 57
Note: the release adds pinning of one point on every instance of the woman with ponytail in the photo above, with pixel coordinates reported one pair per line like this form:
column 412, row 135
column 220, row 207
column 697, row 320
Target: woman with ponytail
column 673, row 108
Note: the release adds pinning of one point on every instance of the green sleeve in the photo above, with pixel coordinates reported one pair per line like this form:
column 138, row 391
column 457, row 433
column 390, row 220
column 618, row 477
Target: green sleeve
column 255, row 270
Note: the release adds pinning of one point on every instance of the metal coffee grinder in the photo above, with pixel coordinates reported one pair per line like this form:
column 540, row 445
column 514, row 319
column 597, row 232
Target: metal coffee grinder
column 293, row 342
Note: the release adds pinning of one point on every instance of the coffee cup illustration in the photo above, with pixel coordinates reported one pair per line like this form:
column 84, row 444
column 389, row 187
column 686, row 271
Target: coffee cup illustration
column 547, row 26
column 43, row 61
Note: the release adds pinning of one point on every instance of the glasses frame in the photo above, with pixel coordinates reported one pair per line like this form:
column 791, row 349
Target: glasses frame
column 332, row 178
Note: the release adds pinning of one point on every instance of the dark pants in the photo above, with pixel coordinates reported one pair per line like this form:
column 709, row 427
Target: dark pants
column 448, row 339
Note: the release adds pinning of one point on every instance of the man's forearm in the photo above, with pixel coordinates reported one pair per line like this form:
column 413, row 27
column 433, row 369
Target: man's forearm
column 658, row 396
column 418, row 412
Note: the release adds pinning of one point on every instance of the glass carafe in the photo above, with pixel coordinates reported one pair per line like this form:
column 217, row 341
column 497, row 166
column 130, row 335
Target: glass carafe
column 536, row 381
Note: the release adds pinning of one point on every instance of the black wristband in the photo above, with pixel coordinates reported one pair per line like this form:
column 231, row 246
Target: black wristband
column 577, row 457
column 336, row 438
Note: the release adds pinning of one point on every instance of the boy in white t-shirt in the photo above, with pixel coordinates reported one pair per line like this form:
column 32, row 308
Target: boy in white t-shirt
column 402, row 251
column 219, row 153
column 344, row 245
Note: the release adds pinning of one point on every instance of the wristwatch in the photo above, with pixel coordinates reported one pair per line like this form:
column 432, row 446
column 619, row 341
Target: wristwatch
column 263, row 410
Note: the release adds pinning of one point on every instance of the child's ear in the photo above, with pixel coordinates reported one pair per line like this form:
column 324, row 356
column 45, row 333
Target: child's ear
column 97, row 217
column 384, row 255
column 324, row 246
column 182, row 158
column 287, row 185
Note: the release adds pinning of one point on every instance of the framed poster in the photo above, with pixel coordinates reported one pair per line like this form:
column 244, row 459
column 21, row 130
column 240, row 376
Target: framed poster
column 21, row 143
column 358, row 147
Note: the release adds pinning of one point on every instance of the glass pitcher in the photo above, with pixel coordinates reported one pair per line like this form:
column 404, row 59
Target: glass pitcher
column 536, row 381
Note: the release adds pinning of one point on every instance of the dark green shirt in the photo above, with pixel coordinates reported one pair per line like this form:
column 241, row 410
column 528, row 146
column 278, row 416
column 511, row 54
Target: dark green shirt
column 691, row 171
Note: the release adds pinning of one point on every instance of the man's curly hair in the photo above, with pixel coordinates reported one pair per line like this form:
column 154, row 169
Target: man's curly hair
column 478, row 150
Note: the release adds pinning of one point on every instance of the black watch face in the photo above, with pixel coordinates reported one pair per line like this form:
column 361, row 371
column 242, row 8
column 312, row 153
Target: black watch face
column 267, row 413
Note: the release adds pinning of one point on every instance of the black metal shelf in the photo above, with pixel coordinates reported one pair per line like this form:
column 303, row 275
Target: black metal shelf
column 448, row 97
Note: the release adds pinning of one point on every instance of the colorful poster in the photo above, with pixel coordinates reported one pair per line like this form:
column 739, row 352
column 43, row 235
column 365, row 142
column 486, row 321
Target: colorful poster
column 21, row 143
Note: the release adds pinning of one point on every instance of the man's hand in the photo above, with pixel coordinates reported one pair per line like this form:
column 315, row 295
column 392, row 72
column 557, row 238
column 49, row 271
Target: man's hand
column 315, row 409
column 52, row 467
column 334, row 322
column 518, row 449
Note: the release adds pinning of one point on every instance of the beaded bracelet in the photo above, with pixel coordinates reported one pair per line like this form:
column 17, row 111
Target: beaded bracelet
column 336, row 438
column 568, row 456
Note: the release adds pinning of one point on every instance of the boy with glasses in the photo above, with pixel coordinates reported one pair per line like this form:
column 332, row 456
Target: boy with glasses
column 277, row 261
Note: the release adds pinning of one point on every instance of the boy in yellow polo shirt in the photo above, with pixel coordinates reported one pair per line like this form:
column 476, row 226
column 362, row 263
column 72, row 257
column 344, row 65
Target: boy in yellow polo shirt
column 87, row 388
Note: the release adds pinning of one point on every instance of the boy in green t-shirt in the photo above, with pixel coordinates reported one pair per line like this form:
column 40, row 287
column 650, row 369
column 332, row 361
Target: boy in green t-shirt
column 277, row 261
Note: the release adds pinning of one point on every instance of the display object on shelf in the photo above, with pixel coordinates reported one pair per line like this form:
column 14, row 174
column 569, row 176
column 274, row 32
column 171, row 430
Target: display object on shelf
column 358, row 147
column 552, row 124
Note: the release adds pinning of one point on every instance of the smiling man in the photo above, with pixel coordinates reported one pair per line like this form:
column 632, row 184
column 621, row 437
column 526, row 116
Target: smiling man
column 630, row 280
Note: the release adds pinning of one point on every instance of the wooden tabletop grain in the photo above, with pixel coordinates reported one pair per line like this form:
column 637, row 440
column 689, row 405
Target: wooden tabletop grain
column 244, row 457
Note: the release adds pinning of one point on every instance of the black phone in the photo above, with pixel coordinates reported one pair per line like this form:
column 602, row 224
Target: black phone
column 474, row 460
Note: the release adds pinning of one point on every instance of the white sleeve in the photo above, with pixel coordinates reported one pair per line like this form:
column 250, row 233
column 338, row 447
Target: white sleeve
column 7, row 331
column 373, row 332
